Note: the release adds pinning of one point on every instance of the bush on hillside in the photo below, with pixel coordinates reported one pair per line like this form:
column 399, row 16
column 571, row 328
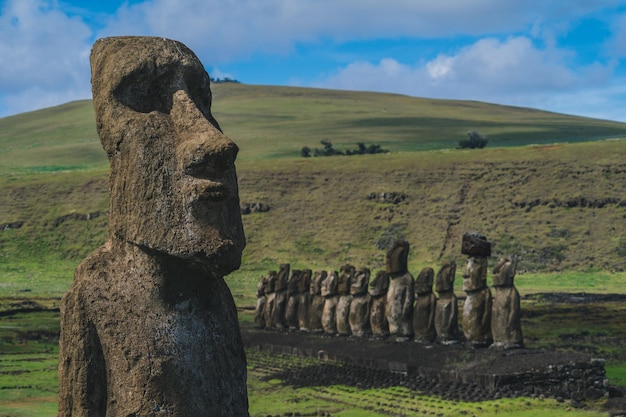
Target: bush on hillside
column 329, row 150
column 474, row 141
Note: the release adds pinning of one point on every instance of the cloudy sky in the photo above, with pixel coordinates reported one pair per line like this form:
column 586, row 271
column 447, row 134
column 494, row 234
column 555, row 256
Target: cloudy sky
column 567, row 56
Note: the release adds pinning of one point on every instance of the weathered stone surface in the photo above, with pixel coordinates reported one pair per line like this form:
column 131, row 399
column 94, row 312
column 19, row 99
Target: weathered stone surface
column 293, row 299
column 475, row 244
column 270, row 296
column 478, row 303
column 447, row 309
column 346, row 275
column 304, row 302
column 261, row 300
column 149, row 312
column 425, row 305
column 360, row 305
column 278, row 318
column 329, row 292
column 316, row 309
column 378, row 317
column 400, row 297
column 506, row 326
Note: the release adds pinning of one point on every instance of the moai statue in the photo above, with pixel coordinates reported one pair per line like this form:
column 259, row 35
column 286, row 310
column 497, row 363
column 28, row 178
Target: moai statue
column 304, row 303
column 425, row 305
column 446, row 309
column 360, row 304
column 270, row 298
column 477, row 307
column 378, row 316
column 149, row 312
column 329, row 292
column 399, row 308
column 261, row 299
column 346, row 275
column 280, row 298
column 293, row 299
column 316, row 309
column 506, row 326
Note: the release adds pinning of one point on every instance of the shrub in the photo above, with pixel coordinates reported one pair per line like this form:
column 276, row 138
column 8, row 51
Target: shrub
column 475, row 141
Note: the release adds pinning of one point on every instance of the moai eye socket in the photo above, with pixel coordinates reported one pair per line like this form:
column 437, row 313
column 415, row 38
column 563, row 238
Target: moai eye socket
column 146, row 90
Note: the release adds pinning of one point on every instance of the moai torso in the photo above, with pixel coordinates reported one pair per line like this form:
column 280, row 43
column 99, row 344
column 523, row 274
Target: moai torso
column 360, row 304
column 279, row 320
column 425, row 305
column 329, row 292
column 261, row 299
column 304, row 302
column 399, row 307
column 378, row 316
column 293, row 299
column 506, row 326
column 346, row 274
column 149, row 312
column 446, row 309
column 270, row 298
column 477, row 307
column 316, row 309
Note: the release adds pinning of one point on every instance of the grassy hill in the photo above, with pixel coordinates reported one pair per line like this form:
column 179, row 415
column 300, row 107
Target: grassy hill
column 560, row 205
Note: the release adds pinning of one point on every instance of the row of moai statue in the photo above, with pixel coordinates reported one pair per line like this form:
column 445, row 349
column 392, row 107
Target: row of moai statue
column 394, row 304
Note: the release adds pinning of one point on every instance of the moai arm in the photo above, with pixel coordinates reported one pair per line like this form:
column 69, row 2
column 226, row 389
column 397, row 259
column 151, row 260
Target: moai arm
column 82, row 376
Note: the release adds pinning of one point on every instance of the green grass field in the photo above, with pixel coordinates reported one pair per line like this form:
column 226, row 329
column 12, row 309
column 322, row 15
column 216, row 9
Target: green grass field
column 549, row 187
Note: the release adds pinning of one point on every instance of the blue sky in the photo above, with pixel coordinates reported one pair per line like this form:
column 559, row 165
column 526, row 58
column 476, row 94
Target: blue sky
column 563, row 56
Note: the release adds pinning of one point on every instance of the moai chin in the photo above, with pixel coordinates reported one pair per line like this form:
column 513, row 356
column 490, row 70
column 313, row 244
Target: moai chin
column 316, row 309
column 360, row 304
column 378, row 318
column 344, row 282
column 149, row 312
column 506, row 327
column 425, row 305
column 331, row 297
column 399, row 307
column 478, row 302
column 446, row 309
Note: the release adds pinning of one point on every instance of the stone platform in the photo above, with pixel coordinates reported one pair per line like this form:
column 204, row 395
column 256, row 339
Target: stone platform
column 494, row 373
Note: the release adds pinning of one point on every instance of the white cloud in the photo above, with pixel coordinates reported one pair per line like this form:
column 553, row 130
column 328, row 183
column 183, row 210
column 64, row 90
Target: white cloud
column 513, row 71
column 45, row 56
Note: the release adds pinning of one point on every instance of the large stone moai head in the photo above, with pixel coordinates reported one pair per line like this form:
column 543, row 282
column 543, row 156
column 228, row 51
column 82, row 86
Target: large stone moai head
column 316, row 282
column 328, row 286
column 380, row 284
column 282, row 278
column 360, row 282
column 305, row 281
column 478, row 249
column 270, row 282
column 445, row 277
column 397, row 257
column 424, row 281
column 346, row 275
column 504, row 271
column 173, row 185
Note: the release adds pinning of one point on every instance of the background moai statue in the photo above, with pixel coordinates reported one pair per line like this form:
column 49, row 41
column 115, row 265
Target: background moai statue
column 149, row 312
column 506, row 326
column 346, row 275
column 280, row 297
column 477, row 307
column 293, row 299
column 446, row 309
column 360, row 304
column 261, row 299
column 425, row 305
column 316, row 309
column 329, row 292
column 270, row 298
column 399, row 308
column 304, row 303
column 378, row 316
